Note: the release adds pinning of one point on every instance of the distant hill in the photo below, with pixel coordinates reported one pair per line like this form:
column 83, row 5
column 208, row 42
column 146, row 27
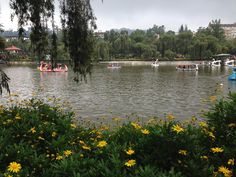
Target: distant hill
column 11, row 33
column 124, row 29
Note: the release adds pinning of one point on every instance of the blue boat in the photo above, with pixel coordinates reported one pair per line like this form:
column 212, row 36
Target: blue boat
column 232, row 77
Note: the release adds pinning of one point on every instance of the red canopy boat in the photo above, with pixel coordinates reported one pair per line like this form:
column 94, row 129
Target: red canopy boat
column 47, row 67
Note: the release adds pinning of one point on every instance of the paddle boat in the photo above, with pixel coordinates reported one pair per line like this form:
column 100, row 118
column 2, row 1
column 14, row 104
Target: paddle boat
column 114, row 66
column 47, row 67
column 215, row 62
column 155, row 64
column 187, row 67
column 229, row 62
column 232, row 77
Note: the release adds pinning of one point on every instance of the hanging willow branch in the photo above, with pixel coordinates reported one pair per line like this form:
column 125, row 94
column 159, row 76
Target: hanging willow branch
column 4, row 79
column 37, row 13
column 78, row 23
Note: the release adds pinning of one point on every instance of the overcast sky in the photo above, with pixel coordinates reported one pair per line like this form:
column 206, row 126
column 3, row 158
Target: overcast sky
column 143, row 14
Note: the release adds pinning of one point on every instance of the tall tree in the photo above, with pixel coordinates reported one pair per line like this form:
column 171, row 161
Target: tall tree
column 216, row 30
column 78, row 23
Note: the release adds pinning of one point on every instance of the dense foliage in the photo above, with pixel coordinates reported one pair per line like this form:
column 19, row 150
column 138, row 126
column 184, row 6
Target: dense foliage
column 139, row 44
column 167, row 45
column 78, row 23
column 38, row 139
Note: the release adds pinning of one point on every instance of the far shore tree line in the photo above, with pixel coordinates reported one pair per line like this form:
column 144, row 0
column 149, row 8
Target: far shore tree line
column 156, row 42
column 148, row 44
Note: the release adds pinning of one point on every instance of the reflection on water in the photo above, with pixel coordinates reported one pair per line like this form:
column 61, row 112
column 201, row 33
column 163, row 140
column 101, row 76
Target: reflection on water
column 142, row 90
column 232, row 86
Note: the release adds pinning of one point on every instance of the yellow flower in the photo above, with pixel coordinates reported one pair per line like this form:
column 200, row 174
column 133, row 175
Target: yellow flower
column 14, row 167
column 73, row 125
column 116, row 119
column 183, row 152
column 104, row 128
column 210, row 134
column 177, row 129
column 32, row 130
column 225, row 171
column 17, row 117
column 54, row 134
column 202, row 124
column 81, row 142
column 67, row 153
column 41, row 138
column 213, row 98
column 135, row 125
column 73, row 143
column 130, row 152
column 145, row 131
column 59, row 157
column 9, row 176
column 204, row 157
column 14, row 94
column 232, row 125
column 217, row 149
column 9, row 121
column 170, row 117
column 130, row 163
column 102, row 144
column 231, row 162
column 86, row 147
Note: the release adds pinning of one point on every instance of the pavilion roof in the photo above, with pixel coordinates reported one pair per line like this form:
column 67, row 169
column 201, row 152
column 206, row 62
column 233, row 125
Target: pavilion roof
column 12, row 48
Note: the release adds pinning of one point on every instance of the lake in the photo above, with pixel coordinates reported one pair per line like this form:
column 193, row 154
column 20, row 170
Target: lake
column 134, row 90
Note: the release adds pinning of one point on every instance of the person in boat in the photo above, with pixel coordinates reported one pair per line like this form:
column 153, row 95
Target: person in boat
column 48, row 66
column 59, row 66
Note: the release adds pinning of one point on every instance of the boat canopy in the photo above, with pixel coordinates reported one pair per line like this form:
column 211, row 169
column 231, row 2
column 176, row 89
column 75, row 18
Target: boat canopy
column 222, row 55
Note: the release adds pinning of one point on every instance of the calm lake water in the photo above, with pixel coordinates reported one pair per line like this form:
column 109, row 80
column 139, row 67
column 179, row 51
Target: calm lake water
column 138, row 90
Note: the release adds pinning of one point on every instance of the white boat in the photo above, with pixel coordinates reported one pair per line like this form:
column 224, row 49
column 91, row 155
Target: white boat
column 114, row 66
column 155, row 64
column 187, row 67
column 229, row 62
column 215, row 62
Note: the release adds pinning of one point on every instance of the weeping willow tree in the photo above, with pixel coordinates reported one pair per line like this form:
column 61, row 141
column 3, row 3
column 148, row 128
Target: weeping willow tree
column 78, row 23
column 4, row 79
column 35, row 13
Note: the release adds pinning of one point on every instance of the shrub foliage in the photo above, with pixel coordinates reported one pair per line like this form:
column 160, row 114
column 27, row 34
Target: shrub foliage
column 41, row 140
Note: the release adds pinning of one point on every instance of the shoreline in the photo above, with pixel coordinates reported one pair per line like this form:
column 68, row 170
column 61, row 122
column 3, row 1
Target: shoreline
column 138, row 62
column 123, row 62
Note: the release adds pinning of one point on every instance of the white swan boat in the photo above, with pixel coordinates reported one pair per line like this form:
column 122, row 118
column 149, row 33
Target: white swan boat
column 229, row 62
column 215, row 62
column 155, row 64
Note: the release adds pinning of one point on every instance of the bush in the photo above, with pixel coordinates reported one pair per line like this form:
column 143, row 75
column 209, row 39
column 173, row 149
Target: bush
column 41, row 140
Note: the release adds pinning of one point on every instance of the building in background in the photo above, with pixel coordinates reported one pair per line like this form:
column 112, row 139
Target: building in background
column 230, row 30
